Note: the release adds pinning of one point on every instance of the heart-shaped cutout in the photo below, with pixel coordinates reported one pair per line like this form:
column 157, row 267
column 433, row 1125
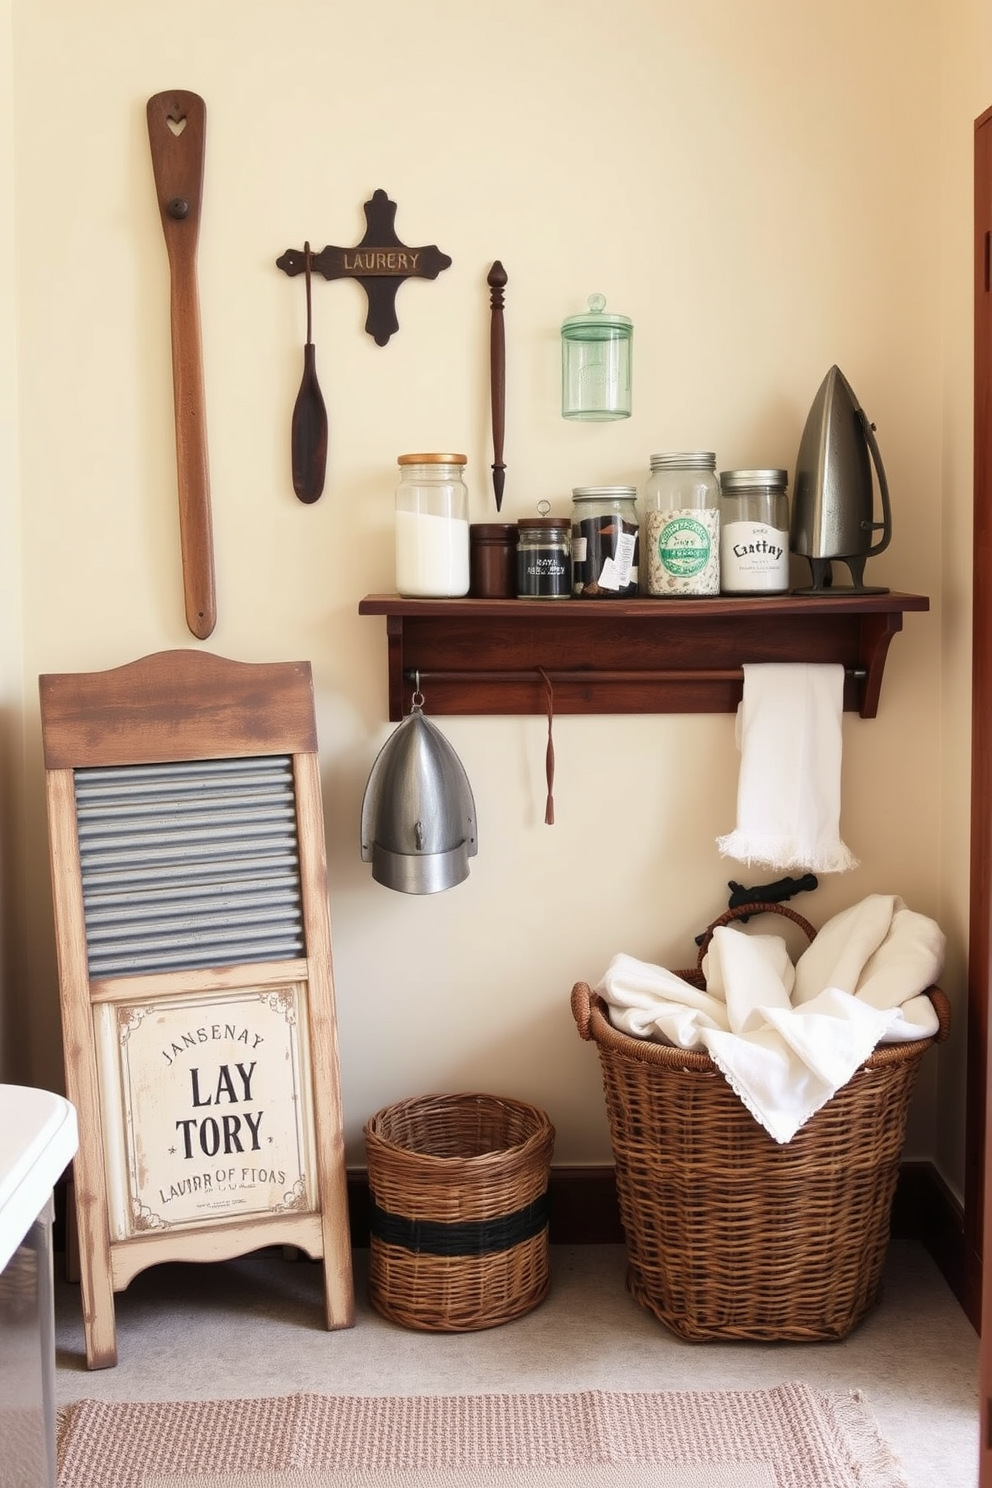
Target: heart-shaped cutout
column 176, row 125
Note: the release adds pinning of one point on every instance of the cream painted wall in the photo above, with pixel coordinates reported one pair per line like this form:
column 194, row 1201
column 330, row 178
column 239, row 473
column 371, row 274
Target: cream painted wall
column 13, row 1005
column 759, row 186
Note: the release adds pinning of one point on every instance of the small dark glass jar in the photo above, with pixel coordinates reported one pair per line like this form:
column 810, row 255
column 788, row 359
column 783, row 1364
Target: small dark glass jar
column 492, row 560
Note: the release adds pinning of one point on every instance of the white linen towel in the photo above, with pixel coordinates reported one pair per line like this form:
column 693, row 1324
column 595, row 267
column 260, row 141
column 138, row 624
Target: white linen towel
column 787, row 1038
column 788, row 794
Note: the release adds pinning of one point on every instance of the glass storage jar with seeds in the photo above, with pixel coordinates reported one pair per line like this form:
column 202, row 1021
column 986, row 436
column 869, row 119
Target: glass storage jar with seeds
column 605, row 542
column 682, row 526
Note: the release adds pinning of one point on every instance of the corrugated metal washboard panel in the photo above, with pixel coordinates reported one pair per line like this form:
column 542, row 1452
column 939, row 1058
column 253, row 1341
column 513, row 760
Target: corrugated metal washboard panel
column 189, row 865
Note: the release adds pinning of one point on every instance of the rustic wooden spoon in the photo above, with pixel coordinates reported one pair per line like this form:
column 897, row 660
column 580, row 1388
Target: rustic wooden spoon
column 176, row 128
column 309, row 432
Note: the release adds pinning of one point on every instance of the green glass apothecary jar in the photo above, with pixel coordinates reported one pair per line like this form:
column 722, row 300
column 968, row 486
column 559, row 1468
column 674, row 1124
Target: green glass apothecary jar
column 596, row 364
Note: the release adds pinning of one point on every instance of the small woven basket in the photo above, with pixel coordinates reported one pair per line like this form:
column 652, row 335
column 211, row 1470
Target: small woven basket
column 459, row 1211
column 730, row 1234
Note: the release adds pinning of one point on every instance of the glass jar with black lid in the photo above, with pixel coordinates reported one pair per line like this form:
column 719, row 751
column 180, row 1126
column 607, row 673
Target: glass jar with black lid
column 544, row 556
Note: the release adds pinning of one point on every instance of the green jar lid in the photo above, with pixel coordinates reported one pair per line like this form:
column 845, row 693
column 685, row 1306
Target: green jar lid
column 597, row 326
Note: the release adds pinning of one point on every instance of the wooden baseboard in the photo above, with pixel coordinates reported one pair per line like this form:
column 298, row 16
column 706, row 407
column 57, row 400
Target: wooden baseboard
column 926, row 1210
column 584, row 1211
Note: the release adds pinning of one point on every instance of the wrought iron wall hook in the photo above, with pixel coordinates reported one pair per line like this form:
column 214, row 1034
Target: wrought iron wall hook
column 380, row 263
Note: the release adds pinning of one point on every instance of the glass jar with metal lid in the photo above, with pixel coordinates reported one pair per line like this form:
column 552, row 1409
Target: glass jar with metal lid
column 682, row 525
column 754, row 532
column 432, row 542
column 605, row 542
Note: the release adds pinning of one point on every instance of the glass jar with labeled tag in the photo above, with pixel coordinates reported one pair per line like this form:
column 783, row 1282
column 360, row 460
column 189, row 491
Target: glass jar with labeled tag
column 754, row 532
column 544, row 557
column 682, row 526
column 432, row 544
column 605, row 542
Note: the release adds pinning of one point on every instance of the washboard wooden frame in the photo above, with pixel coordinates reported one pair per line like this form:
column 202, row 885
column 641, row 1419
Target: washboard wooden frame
column 179, row 706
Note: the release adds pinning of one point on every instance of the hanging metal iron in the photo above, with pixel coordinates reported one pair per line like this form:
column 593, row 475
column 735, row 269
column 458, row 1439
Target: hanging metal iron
column 418, row 812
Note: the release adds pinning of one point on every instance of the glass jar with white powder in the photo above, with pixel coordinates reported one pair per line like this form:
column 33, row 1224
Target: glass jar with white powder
column 681, row 542
column 432, row 528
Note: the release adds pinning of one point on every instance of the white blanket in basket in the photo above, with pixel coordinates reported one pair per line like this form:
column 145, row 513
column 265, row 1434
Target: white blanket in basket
column 788, row 1036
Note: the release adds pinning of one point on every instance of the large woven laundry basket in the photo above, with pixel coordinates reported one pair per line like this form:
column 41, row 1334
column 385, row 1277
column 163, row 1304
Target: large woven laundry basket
column 459, row 1211
column 730, row 1234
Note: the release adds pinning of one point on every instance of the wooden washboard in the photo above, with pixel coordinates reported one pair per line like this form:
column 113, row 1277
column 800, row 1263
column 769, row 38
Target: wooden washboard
column 194, row 953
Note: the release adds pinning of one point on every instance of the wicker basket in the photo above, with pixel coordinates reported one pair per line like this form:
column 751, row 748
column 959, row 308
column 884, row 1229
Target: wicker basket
column 459, row 1211
column 730, row 1234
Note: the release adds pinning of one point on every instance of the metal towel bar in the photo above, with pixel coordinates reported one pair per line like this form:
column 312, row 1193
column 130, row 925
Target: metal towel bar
column 692, row 674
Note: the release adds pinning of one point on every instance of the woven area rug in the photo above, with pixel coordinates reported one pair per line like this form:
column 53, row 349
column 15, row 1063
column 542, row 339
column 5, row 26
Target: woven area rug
column 789, row 1437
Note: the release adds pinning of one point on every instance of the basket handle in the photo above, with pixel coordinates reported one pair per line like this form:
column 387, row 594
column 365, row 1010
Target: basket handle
column 942, row 1007
column 744, row 912
column 582, row 1009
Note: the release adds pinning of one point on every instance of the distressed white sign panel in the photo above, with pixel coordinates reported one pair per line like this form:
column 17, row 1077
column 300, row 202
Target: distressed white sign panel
column 208, row 1108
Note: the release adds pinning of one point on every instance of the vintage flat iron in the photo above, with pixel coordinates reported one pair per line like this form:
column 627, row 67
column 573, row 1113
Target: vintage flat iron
column 833, row 500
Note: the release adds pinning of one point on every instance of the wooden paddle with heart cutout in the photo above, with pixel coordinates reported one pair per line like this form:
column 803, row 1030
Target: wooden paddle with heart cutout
column 176, row 128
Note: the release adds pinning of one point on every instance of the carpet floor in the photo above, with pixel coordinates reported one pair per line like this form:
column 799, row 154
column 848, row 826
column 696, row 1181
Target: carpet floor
column 788, row 1437
column 252, row 1328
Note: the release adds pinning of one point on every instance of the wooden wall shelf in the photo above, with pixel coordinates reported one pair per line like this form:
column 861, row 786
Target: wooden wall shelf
column 626, row 656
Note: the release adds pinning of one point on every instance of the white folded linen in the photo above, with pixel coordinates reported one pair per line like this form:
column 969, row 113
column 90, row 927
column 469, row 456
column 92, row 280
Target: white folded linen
column 751, row 973
column 785, row 1071
column 648, row 1002
column 788, row 731
column 784, row 1043
column 916, row 1019
column 877, row 949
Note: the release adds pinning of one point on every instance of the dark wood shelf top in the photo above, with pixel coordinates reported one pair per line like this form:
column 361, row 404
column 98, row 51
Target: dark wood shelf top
column 490, row 656
column 840, row 602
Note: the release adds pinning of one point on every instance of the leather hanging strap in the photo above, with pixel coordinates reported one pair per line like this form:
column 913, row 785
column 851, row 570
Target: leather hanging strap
column 549, row 759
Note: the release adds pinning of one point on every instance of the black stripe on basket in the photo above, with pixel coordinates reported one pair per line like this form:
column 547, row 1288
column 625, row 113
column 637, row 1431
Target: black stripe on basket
column 469, row 1237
